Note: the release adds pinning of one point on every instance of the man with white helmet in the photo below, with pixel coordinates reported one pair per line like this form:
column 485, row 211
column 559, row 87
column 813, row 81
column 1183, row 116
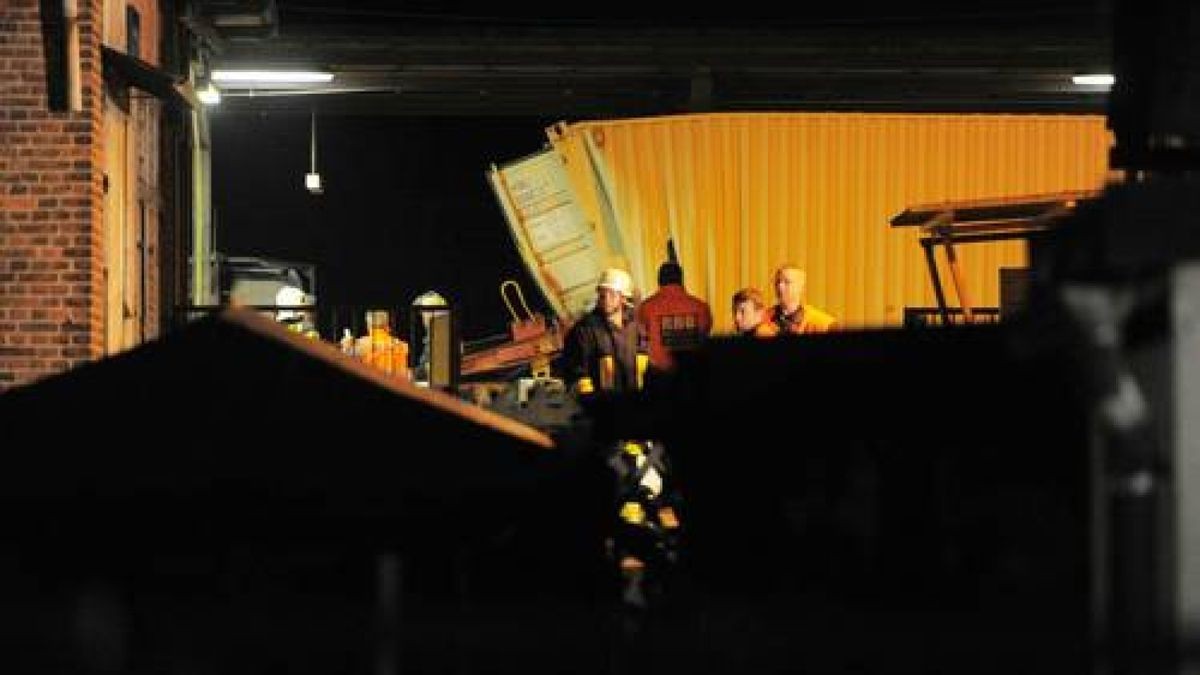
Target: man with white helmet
column 298, row 319
column 602, row 349
column 607, row 351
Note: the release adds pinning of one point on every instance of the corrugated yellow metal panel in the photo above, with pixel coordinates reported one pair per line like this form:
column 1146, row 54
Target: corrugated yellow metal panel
column 742, row 193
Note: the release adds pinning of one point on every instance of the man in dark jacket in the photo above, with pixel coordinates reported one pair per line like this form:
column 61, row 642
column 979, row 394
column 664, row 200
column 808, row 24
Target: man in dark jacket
column 606, row 349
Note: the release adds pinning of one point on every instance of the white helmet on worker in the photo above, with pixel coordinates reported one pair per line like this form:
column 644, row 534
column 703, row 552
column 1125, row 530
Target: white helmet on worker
column 290, row 296
column 617, row 279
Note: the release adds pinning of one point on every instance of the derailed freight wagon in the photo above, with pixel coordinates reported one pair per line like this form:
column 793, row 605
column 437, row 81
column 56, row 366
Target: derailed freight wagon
column 740, row 193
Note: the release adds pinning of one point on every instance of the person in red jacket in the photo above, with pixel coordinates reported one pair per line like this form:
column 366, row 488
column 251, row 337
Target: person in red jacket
column 791, row 314
column 674, row 319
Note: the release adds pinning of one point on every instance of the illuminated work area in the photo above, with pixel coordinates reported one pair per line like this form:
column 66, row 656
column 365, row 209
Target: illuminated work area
column 393, row 338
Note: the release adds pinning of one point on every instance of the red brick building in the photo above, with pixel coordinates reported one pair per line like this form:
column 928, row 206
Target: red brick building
column 94, row 189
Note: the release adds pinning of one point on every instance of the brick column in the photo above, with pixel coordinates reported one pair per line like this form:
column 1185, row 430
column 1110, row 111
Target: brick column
column 51, row 199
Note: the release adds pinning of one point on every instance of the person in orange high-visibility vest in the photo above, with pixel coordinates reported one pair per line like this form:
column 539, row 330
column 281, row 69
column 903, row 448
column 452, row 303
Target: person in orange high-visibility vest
column 675, row 320
column 380, row 348
column 791, row 314
column 750, row 314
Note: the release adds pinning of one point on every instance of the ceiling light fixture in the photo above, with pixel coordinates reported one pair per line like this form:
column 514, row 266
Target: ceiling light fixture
column 1093, row 80
column 312, row 179
column 272, row 76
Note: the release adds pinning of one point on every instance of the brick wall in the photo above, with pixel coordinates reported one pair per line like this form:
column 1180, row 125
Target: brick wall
column 51, row 254
column 115, row 35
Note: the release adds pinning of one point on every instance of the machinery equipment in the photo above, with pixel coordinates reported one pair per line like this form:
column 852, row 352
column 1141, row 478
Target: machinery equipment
column 532, row 341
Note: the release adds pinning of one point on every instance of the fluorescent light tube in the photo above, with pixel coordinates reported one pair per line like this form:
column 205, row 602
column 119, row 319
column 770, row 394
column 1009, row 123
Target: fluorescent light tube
column 1094, row 80
column 272, row 76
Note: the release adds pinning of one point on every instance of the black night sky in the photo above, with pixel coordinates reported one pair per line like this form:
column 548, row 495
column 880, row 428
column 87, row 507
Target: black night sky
column 406, row 207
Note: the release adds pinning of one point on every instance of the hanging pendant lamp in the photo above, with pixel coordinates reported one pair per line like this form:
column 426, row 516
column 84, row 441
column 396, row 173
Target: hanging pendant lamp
column 312, row 179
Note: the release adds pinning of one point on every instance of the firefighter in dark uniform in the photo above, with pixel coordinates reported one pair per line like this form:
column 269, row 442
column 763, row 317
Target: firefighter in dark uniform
column 607, row 351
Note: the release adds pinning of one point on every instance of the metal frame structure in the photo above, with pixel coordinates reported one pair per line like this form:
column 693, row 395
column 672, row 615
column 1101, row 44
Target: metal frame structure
column 967, row 222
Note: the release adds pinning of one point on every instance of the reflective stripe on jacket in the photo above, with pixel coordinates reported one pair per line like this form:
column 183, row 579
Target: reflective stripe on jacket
column 593, row 337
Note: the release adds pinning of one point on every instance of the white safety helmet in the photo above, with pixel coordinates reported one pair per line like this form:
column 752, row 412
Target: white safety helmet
column 618, row 280
column 429, row 299
column 290, row 296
